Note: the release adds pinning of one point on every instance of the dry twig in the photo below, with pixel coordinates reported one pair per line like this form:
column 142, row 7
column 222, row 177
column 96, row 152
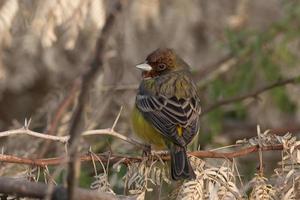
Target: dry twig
column 87, row 80
column 25, row 131
column 253, row 94
column 223, row 68
column 65, row 139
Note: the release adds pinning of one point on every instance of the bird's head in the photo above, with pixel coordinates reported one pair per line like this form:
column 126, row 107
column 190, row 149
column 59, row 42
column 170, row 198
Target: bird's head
column 160, row 62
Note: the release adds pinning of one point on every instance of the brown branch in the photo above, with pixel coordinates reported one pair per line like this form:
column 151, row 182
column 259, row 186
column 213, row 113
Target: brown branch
column 63, row 106
column 116, row 158
column 58, row 114
column 22, row 188
column 87, row 81
column 60, row 160
column 253, row 94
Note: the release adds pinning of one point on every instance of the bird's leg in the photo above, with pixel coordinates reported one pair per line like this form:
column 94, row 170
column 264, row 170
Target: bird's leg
column 146, row 150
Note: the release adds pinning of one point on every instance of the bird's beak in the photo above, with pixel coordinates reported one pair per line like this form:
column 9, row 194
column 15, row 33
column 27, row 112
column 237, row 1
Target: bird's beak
column 144, row 67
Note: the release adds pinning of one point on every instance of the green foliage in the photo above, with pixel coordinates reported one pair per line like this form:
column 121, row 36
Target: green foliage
column 283, row 101
column 262, row 57
column 238, row 112
column 215, row 90
column 214, row 118
column 60, row 177
column 85, row 178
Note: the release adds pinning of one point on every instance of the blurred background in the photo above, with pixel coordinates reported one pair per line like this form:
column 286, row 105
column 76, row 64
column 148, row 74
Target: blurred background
column 234, row 47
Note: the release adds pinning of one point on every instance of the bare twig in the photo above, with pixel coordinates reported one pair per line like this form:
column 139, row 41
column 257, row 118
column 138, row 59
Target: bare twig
column 64, row 139
column 117, row 119
column 111, row 132
column 87, row 80
column 253, row 94
column 224, row 67
column 210, row 68
column 260, row 154
column 118, row 87
column 24, row 131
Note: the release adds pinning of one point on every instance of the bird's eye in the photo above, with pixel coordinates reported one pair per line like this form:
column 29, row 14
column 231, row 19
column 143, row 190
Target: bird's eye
column 161, row 66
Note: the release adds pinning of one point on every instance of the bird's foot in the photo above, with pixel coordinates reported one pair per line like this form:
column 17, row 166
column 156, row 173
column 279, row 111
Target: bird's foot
column 147, row 150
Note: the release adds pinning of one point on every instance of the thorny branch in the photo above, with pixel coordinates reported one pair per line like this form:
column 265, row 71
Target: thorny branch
column 64, row 139
column 87, row 80
column 253, row 94
column 25, row 131
column 125, row 159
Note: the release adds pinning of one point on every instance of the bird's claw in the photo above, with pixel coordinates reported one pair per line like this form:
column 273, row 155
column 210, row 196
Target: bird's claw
column 147, row 150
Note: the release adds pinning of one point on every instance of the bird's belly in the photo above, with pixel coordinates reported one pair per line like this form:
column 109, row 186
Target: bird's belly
column 146, row 131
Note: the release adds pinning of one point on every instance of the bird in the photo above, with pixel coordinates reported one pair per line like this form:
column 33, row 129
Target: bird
column 167, row 108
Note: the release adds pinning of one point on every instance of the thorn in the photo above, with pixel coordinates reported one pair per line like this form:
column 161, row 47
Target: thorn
column 258, row 130
column 117, row 119
column 27, row 123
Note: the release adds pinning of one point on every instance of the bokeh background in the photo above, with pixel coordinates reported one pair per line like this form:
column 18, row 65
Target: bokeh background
column 234, row 47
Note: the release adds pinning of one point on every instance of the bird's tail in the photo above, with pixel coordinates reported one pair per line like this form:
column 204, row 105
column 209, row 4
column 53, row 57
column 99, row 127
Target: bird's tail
column 180, row 165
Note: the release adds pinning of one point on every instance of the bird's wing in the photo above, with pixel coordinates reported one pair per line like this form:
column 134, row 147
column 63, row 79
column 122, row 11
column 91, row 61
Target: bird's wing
column 177, row 119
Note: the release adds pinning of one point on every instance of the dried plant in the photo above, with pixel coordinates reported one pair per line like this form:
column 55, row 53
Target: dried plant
column 101, row 183
column 101, row 180
column 211, row 183
column 71, row 15
column 287, row 175
column 194, row 189
column 7, row 14
column 266, row 138
column 139, row 175
column 261, row 189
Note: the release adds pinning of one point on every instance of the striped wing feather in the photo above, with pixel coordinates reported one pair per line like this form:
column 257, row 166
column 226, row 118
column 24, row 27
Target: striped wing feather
column 166, row 114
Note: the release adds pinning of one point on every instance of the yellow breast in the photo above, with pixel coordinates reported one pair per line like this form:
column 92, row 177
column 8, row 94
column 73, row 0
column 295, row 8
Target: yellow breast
column 146, row 131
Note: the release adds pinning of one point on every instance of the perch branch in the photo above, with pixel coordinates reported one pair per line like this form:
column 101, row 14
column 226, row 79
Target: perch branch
column 253, row 94
column 115, row 158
